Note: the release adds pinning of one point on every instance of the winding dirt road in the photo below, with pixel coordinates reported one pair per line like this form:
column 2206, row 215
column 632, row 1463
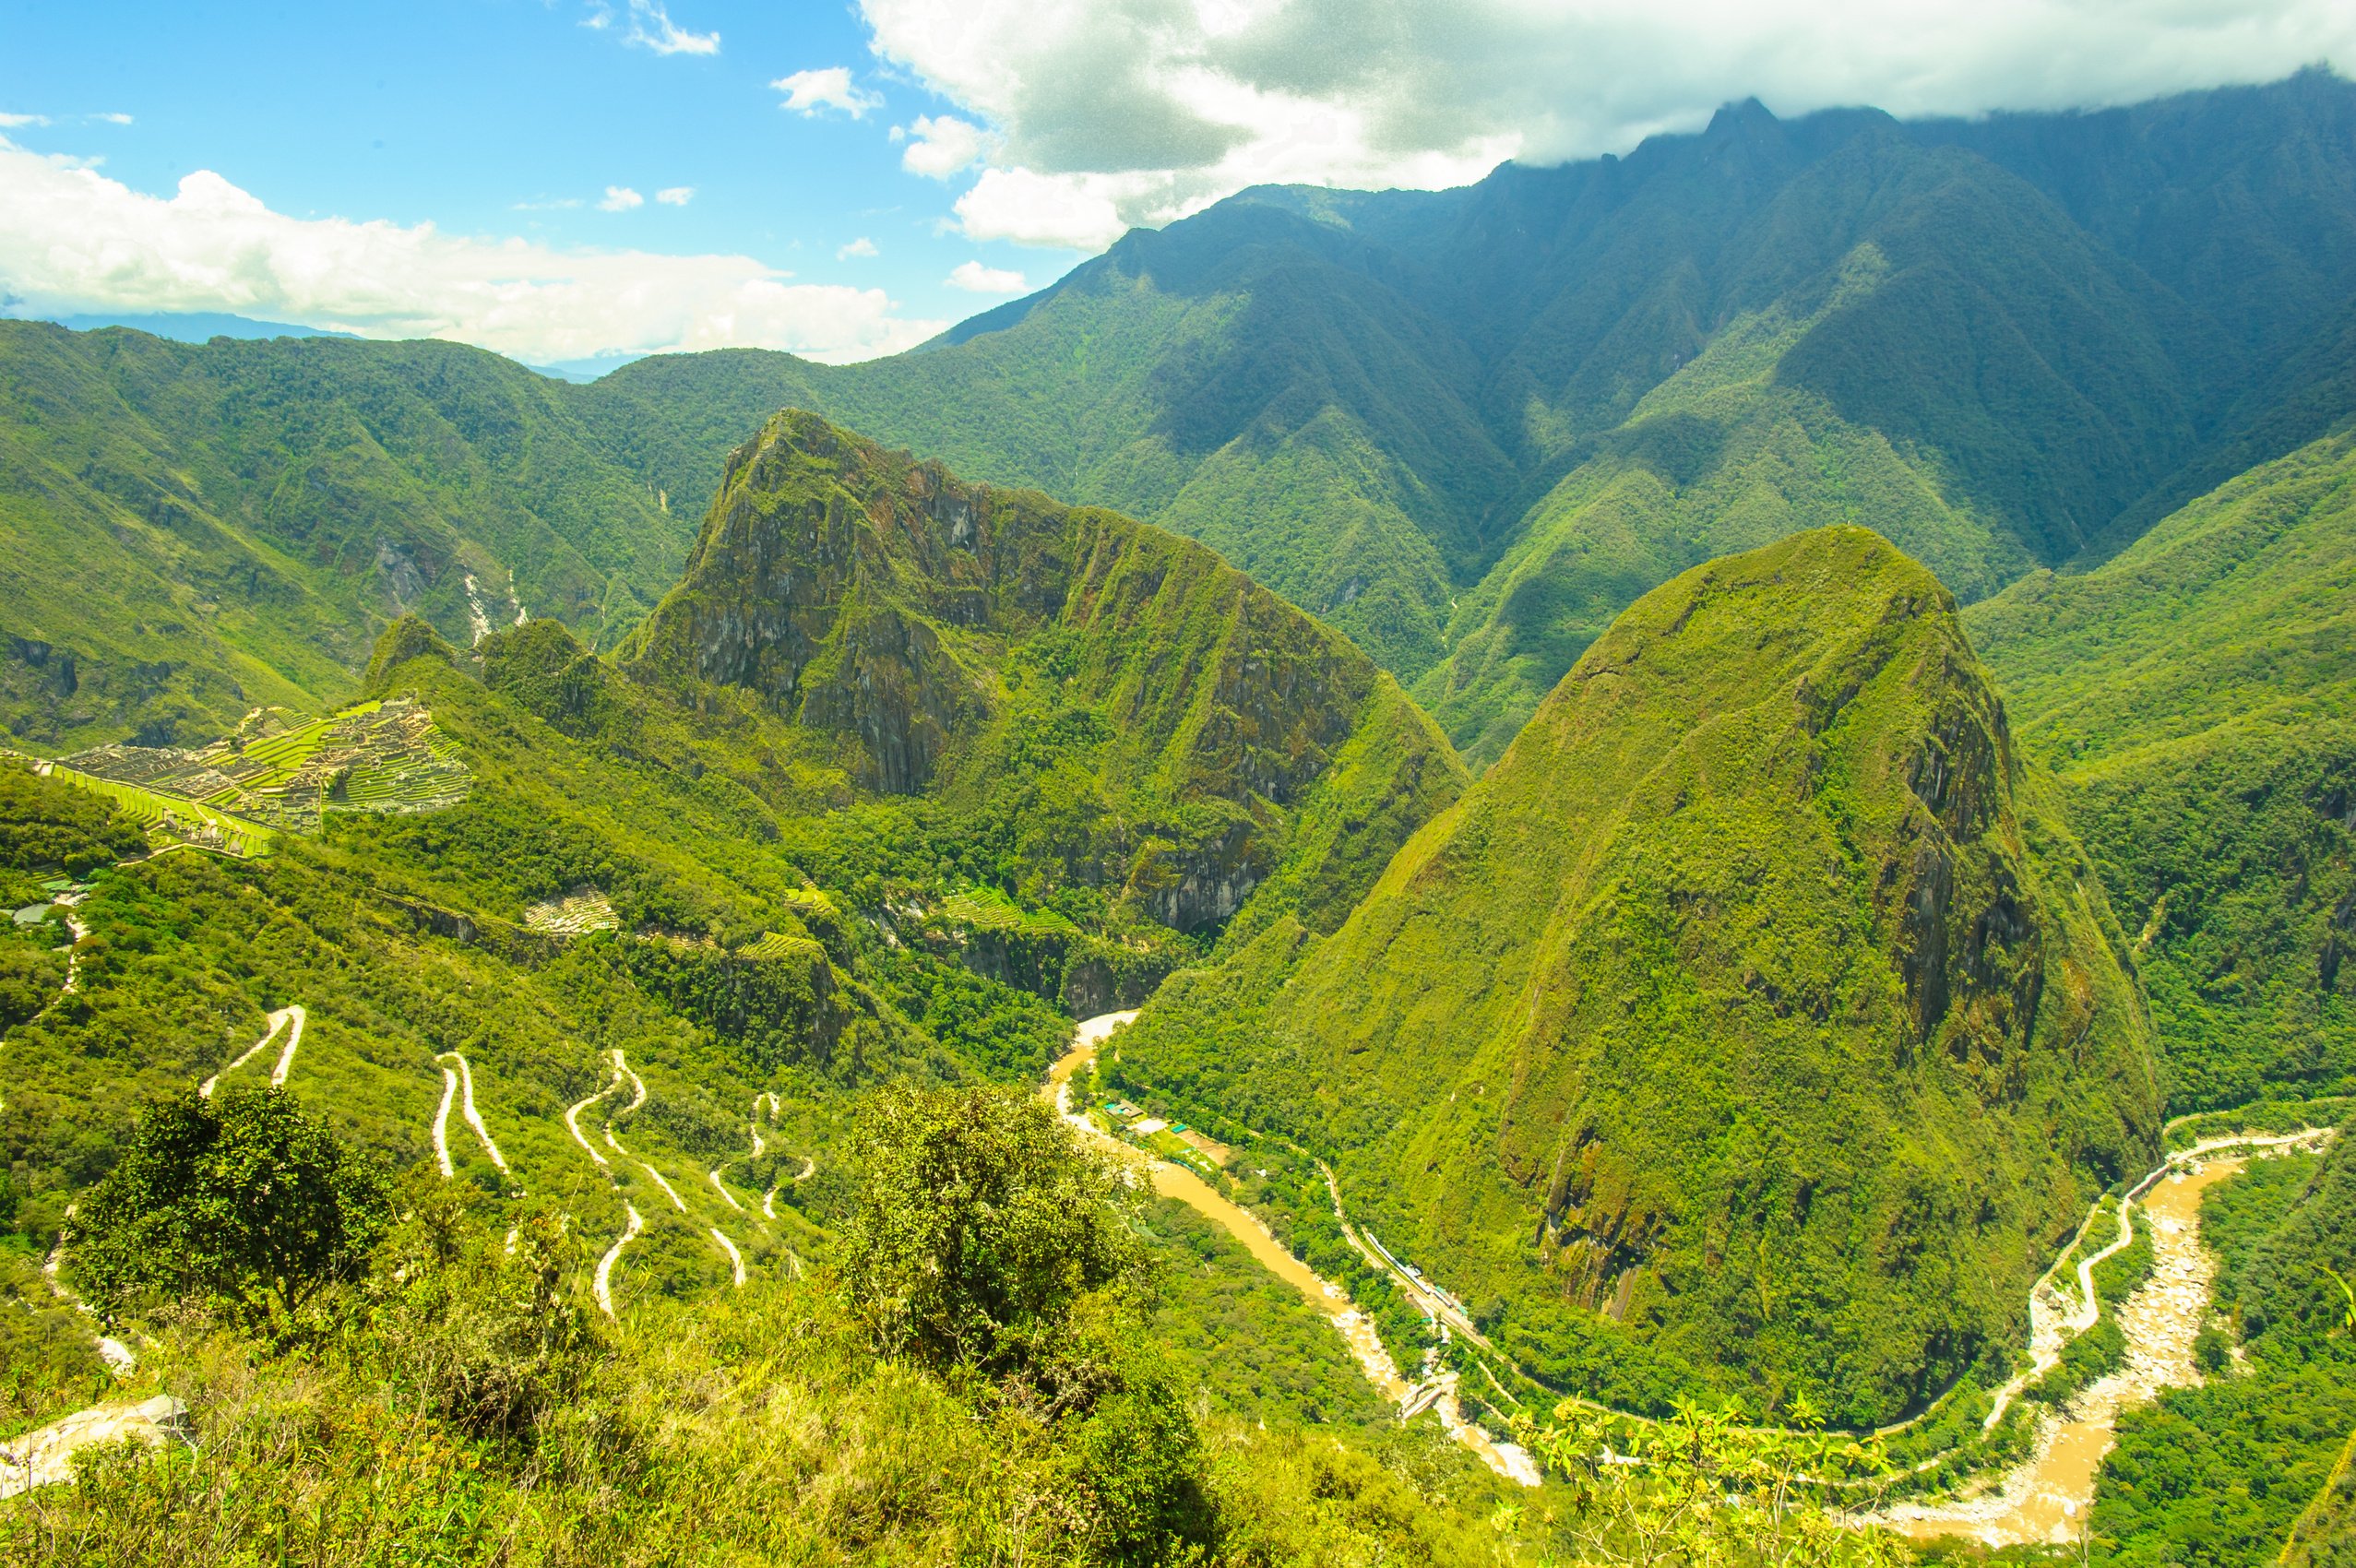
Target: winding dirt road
column 604, row 1284
column 278, row 1020
column 573, row 1114
column 735, row 1258
column 441, row 1125
column 466, row 1109
column 286, row 1057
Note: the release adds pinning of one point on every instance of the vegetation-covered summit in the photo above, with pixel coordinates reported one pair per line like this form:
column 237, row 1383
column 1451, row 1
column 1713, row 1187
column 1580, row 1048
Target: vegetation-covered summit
column 1755, row 1021
column 1121, row 724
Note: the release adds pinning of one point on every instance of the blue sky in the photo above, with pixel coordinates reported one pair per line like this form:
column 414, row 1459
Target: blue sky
column 500, row 117
column 563, row 179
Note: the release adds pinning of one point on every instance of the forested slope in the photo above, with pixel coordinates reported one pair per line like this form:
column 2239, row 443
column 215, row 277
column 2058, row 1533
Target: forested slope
column 197, row 530
column 2194, row 694
column 1754, row 1022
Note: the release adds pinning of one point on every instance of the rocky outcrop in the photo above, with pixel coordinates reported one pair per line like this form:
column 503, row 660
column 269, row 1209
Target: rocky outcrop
column 44, row 1456
column 968, row 643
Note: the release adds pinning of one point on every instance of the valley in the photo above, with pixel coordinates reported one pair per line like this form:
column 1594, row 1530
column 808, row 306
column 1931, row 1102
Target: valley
column 1648, row 861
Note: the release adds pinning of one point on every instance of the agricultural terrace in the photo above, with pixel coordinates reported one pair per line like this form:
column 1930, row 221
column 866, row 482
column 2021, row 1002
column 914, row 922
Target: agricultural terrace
column 375, row 756
column 987, row 909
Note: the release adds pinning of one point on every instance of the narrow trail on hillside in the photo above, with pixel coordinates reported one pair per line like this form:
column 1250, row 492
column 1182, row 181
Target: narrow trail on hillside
column 277, row 1021
column 80, row 933
column 466, row 1109
column 603, row 1284
column 2049, row 1498
column 1357, row 1330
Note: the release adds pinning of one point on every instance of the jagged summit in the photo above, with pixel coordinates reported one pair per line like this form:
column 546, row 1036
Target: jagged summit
column 965, row 641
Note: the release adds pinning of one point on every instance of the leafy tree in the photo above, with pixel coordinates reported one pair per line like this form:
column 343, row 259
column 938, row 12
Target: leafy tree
column 1702, row 1488
column 243, row 1199
column 494, row 1333
column 982, row 1225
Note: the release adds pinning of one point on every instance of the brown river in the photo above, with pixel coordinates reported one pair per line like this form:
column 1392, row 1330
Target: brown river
column 2047, row 1499
column 1366, row 1348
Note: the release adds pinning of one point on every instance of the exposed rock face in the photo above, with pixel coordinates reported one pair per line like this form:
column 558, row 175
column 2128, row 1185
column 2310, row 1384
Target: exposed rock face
column 969, row 643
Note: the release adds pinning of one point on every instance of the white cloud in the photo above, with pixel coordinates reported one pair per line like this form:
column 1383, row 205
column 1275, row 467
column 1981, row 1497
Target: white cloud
column 1081, row 212
column 860, row 246
column 1146, row 110
column 675, row 196
column 651, row 27
column 620, row 198
column 943, row 146
column 114, row 119
column 75, row 242
column 11, row 121
column 974, row 277
column 811, row 93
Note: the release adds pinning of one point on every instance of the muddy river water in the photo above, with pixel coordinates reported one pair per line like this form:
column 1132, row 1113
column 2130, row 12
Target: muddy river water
column 1172, row 1180
column 2048, row 1499
column 2044, row 1499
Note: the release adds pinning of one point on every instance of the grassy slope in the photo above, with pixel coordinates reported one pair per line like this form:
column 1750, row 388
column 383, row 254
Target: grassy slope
column 199, row 530
column 2194, row 694
column 1752, row 998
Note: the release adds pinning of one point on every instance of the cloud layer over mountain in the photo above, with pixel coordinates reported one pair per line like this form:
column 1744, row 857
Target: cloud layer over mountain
column 72, row 239
column 1112, row 112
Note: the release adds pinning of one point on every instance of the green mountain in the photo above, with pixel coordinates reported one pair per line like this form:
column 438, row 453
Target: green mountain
column 1467, row 427
column 1464, row 427
column 2194, row 694
column 197, row 530
column 1132, row 728
column 903, row 770
column 1754, row 1022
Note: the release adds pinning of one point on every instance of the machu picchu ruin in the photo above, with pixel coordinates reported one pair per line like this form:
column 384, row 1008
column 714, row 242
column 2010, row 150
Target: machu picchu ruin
column 278, row 773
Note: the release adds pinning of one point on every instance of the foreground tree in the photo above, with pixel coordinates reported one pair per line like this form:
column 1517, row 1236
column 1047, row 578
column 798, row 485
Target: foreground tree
column 982, row 1226
column 1704, row 1489
column 989, row 1241
column 242, row 1201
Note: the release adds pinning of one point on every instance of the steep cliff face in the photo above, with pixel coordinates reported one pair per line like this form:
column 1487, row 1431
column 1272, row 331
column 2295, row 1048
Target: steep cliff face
column 1752, row 1013
column 1133, row 715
